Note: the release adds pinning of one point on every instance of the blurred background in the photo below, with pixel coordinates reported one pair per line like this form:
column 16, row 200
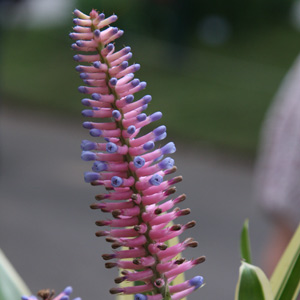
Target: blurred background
column 212, row 68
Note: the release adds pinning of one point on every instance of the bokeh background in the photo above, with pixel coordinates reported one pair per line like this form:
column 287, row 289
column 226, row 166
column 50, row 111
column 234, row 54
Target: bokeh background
column 212, row 67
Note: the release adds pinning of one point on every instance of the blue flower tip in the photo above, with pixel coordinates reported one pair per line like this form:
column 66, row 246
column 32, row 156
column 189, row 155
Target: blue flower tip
column 95, row 132
column 77, row 57
column 99, row 166
column 140, row 297
column 129, row 98
column 160, row 130
column 85, row 102
column 65, row 297
column 97, row 33
column 116, row 114
column 91, row 176
column 68, row 290
column 25, row 298
column 161, row 137
column 82, row 89
column 197, row 281
column 141, row 117
column 113, row 81
column 116, row 181
column 88, row 155
column 137, row 67
column 110, row 46
column 138, row 162
column 87, row 145
column 131, row 129
column 156, row 179
column 111, row 147
column 87, row 113
column 97, row 64
column 148, row 146
column 87, row 125
column 168, row 148
column 96, row 96
column 83, row 75
column 166, row 163
column 156, row 116
column 135, row 82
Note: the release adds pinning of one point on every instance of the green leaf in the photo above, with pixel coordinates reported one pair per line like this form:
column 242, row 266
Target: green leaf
column 245, row 243
column 285, row 281
column 252, row 284
column 12, row 287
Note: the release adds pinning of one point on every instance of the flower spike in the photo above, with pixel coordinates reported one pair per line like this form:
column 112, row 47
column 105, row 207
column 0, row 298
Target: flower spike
column 134, row 172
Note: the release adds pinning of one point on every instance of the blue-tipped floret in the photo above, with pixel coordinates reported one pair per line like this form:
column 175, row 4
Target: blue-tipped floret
column 147, row 99
column 197, row 281
column 124, row 65
column 138, row 162
column 82, row 89
column 136, row 67
column 99, row 166
column 127, row 49
column 160, row 130
column 116, row 181
column 148, row 146
column 140, row 297
column 87, row 113
column 79, row 43
column 166, row 163
column 97, row 64
column 87, row 145
column 156, row 116
column 95, row 132
column 91, row 176
column 87, row 125
column 68, row 290
column 135, row 82
column 141, row 117
column 110, row 46
column 131, row 129
column 78, row 68
column 129, row 99
column 96, row 96
column 168, row 148
column 97, row 33
column 111, row 147
column 65, row 297
column 83, row 75
column 113, row 81
column 161, row 137
column 77, row 57
column 156, row 179
column 85, row 102
column 88, row 155
column 116, row 114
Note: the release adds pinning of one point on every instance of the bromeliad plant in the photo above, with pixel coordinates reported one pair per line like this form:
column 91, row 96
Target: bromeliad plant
column 130, row 167
column 133, row 173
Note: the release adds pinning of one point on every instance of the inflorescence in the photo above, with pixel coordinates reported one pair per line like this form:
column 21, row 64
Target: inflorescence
column 130, row 167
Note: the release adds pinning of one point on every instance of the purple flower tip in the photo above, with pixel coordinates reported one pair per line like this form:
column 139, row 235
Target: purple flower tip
column 138, row 162
column 110, row 46
column 141, row 117
column 116, row 181
column 137, row 67
column 127, row 49
column 115, row 30
column 96, row 96
column 97, row 33
column 87, row 125
column 168, row 148
column 99, row 166
column 148, row 146
column 129, row 98
column 161, row 137
column 85, row 102
column 66, row 297
column 87, row 113
column 156, row 116
column 87, row 145
column 77, row 57
column 95, row 132
column 97, row 64
column 160, row 130
column 25, row 298
column 113, row 81
column 147, row 99
column 158, row 158
column 140, row 297
column 111, row 147
column 156, row 179
column 79, row 43
column 143, row 84
column 135, row 82
column 78, row 68
column 83, row 76
column 124, row 64
column 144, row 107
column 131, row 129
column 91, row 176
column 116, row 114
column 166, row 163
column 88, row 155
column 196, row 281
column 102, row 16
column 72, row 35
column 82, row 89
